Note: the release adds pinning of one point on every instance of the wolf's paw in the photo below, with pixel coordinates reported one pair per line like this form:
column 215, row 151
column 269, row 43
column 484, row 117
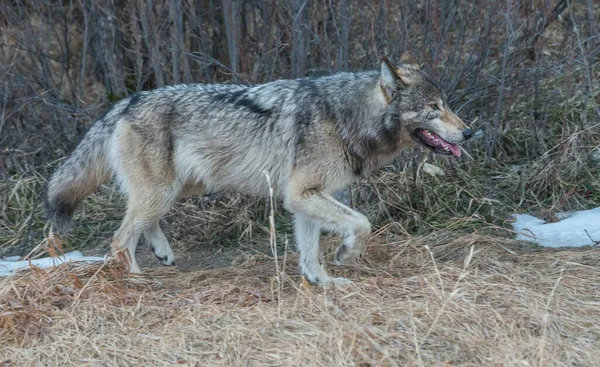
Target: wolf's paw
column 165, row 256
column 325, row 280
column 345, row 255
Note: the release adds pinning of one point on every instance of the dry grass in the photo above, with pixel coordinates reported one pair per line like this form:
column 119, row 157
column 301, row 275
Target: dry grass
column 443, row 299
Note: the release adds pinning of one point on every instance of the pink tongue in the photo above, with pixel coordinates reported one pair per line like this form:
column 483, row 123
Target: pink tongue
column 452, row 147
column 455, row 150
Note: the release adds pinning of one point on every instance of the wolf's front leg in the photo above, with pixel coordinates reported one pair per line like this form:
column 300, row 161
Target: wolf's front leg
column 307, row 232
column 314, row 210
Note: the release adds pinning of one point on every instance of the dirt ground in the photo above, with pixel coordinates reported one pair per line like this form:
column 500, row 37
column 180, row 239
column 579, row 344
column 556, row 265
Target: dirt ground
column 443, row 299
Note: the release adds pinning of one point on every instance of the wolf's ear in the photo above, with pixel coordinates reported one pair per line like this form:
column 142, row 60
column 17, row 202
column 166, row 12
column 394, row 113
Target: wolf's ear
column 408, row 59
column 388, row 79
column 409, row 68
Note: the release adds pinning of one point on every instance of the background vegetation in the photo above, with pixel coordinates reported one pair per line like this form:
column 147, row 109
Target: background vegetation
column 524, row 74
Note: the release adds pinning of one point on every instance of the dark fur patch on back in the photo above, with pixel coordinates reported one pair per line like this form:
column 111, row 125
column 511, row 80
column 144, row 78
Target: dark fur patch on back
column 253, row 107
column 228, row 97
column 238, row 99
column 136, row 99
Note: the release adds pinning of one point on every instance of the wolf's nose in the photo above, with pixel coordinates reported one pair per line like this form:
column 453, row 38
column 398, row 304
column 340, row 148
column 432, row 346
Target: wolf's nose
column 467, row 133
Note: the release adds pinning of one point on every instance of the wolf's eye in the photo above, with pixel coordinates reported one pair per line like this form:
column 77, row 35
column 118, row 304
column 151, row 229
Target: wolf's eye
column 434, row 106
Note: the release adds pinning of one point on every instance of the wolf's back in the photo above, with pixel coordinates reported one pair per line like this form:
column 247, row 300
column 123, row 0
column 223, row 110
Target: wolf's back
column 81, row 174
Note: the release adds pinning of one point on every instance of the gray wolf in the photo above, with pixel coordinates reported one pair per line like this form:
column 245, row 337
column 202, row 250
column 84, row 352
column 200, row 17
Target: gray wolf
column 314, row 136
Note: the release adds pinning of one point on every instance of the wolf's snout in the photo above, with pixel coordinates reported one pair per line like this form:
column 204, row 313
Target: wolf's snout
column 467, row 133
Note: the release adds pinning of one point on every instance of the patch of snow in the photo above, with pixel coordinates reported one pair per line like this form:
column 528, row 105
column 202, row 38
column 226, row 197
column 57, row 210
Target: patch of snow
column 570, row 231
column 433, row 170
column 9, row 265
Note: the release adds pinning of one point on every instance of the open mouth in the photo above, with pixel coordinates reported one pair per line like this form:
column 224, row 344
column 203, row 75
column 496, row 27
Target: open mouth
column 434, row 142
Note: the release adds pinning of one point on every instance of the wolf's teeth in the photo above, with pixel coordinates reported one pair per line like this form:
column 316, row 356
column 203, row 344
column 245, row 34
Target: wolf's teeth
column 446, row 148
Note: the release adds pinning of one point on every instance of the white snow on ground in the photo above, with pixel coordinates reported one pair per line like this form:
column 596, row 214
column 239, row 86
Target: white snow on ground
column 570, row 231
column 11, row 264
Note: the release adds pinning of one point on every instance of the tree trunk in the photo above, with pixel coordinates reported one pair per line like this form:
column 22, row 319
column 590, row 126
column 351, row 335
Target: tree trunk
column 300, row 36
column 231, row 13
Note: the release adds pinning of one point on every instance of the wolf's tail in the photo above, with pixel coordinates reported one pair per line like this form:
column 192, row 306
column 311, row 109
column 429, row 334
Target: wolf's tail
column 80, row 175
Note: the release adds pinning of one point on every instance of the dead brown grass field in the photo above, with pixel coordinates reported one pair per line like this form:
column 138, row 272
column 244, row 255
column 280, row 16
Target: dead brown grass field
column 442, row 299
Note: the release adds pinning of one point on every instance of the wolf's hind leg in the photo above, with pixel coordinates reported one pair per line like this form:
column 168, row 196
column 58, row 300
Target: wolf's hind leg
column 155, row 236
column 144, row 209
column 160, row 245
column 125, row 242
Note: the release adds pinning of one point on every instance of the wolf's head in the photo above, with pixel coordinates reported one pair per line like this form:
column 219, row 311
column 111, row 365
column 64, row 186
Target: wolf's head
column 422, row 106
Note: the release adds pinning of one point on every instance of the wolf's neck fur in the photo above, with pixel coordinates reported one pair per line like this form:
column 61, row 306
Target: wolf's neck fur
column 369, row 129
